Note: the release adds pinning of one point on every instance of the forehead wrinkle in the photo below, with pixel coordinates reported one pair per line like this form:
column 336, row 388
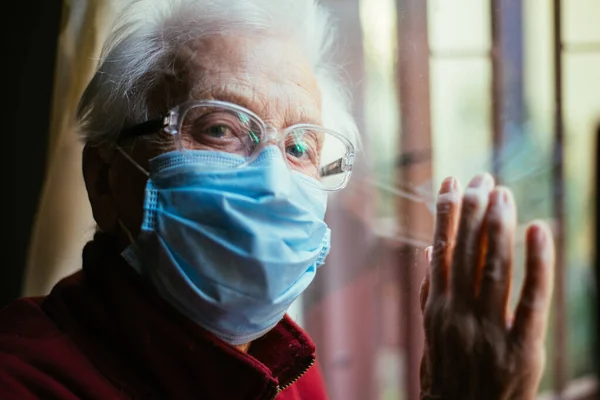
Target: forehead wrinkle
column 278, row 110
column 276, row 85
column 204, row 76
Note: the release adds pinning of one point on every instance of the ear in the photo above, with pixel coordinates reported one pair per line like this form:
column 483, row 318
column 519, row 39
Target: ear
column 96, row 175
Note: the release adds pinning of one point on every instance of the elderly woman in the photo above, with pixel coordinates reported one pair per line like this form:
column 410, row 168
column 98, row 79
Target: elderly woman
column 214, row 132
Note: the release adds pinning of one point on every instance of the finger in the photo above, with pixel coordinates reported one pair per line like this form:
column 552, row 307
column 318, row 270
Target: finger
column 428, row 254
column 510, row 318
column 467, row 253
column 531, row 316
column 446, row 221
column 499, row 226
column 424, row 371
column 424, row 292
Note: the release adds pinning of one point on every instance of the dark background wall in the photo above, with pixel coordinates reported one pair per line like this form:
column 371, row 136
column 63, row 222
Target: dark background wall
column 30, row 36
column 597, row 253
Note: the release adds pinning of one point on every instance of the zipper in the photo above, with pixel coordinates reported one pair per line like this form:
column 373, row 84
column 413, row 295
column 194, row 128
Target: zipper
column 281, row 388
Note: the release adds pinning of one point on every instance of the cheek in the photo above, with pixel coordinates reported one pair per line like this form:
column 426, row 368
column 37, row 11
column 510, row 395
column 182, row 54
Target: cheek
column 128, row 186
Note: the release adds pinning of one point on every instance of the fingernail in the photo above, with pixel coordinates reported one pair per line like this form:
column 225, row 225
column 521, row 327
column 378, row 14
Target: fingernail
column 448, row 185
column 498, row 197
column 489, row 182
column 428, row 253
column 537, row 234
column 482, row 180
column 477, row 181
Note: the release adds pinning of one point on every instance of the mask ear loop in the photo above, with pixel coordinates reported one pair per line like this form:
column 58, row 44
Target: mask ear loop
column 126, row 230
column 131, row 160
column 143, row 171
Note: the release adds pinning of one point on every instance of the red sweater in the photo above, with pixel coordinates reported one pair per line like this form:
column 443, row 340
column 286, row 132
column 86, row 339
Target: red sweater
column 103, row 333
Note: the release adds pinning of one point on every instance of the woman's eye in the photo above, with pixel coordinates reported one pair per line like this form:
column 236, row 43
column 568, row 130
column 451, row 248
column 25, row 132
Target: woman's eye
column 297, row 150
column 219, row 131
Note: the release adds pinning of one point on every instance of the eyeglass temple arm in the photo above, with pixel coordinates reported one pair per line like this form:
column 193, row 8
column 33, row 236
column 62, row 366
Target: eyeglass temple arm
column 145, row 128
column 335, row 167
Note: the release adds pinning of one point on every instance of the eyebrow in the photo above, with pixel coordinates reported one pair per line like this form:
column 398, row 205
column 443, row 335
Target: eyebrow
column 299, row 116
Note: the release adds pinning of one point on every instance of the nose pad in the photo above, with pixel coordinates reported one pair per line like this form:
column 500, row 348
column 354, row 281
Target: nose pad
column 271, row 135
column 272, row 139
column 271, row 146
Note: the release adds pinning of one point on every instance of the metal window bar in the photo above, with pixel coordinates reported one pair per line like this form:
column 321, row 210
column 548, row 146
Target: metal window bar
column 415, row 139
column 506, row 59
column 560, row 318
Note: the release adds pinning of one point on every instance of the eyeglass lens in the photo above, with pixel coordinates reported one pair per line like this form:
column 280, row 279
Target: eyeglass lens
column 310, row 150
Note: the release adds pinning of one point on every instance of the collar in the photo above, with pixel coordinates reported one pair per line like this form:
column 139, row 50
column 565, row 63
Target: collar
column 143, row 345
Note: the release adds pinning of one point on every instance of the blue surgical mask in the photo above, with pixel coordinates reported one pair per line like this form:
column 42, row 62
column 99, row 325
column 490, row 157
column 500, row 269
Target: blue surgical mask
column 230, row 248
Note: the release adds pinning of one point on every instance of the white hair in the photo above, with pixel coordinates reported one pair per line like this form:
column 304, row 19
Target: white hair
column 144, row 41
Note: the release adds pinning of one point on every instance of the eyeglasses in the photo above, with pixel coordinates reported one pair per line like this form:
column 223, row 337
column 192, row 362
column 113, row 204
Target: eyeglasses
column 225, row 127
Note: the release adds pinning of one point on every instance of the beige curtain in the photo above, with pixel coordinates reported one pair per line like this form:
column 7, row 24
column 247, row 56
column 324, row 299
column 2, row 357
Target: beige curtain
column 64, row 221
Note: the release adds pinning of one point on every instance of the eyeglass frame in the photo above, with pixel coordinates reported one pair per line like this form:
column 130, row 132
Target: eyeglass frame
column 170, row 123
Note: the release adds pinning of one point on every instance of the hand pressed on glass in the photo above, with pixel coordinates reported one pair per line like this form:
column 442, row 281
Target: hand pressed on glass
column 475, row 348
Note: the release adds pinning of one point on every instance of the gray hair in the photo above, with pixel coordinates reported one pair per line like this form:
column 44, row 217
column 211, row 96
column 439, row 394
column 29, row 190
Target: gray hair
column 144, row 41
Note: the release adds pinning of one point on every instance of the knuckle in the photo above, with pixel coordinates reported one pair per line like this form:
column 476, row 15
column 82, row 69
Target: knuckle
column 473, row 201
column 494, row 336
column 509, row 366
column 446, row 203
column 493, row 271
column 529, row 352
column 429, row 321
column 433, row 311
column 461, row 330
column 533, row 301
column 495, row 224
column 540, row 260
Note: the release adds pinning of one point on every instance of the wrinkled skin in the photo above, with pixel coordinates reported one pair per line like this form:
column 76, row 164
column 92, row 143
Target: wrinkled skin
column 476, row 348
